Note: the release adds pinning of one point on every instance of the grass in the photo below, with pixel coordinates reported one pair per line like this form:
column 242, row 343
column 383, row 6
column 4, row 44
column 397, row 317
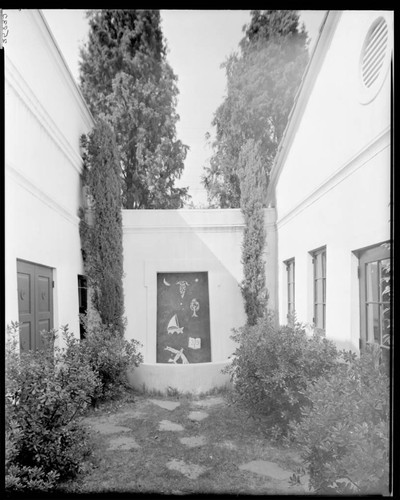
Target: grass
column 232, row 439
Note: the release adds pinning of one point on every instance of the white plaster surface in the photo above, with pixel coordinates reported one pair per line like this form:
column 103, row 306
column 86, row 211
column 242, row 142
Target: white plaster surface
column 194, row 378
column 334, row 186
column 45, row 116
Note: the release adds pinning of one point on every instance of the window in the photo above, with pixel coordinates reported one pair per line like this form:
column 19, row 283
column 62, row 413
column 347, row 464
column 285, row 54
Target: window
column 319, row 286
column 290, row 290
column 82, row 295
column 374, row 272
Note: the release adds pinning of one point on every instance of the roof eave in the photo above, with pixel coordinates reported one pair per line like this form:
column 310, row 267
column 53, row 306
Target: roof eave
column 319, row 51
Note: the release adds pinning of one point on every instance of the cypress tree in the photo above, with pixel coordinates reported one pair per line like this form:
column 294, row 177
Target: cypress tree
column 101, row 228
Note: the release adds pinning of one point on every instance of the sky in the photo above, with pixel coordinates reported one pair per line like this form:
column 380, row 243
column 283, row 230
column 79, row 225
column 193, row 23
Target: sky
column 198, row 42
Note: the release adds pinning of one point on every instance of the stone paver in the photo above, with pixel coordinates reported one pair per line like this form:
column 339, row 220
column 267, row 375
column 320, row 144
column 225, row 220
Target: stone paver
column 266, row 468
column 167, row 405
column 123, row 443
column 167, row 425
column 191, row 471
column 197, row 415
column 210, row 401
column 193, row 441
column 230, row 445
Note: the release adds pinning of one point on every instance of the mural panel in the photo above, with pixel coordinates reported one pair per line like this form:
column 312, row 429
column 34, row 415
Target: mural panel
column 183, row 318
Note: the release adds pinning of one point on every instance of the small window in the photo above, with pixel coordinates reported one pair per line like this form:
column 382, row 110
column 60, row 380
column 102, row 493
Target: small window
column 319, row 286
column 290, row 290
column 82, row 295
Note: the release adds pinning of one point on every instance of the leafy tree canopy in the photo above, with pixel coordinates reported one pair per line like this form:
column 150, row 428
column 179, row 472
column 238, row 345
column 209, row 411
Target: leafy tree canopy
column 262, row 80
column 125, row 78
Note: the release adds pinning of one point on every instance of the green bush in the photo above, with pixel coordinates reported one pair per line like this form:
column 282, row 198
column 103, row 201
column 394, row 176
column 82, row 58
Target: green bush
column 46, row 391
column 110, row 356
column 344, row 431
column 272, row 367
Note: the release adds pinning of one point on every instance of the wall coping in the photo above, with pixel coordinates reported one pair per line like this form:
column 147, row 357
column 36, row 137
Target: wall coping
column 224, row 220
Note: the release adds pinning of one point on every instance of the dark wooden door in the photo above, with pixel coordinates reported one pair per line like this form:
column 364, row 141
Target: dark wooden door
column 35, row 303
column 183, row 318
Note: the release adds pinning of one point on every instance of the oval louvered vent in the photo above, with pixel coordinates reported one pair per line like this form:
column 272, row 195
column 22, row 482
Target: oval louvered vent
column 374, row 52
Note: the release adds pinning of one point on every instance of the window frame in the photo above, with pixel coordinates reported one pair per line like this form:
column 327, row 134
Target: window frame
column 315, row 278
column 375, row 254
column 291, row 293
column 82, row 301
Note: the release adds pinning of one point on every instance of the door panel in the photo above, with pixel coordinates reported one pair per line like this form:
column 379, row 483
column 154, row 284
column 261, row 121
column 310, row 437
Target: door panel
column 183, row 318
column 25, row 274
column 35, row 302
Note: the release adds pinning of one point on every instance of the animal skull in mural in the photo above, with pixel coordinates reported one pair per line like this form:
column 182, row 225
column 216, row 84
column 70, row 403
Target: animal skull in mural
column 182, row 287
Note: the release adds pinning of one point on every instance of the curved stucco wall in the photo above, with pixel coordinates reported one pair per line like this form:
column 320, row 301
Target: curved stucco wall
column 195, row 378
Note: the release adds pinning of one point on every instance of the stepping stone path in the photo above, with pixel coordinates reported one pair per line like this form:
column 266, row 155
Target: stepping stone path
column 208, row 402
column 167, row 405
column 167, row 425
column 193, row 441
column 197, row 416
column 123, row 443
column 277, row 477
column 191, row 471
column 265, row 468
column 228, row 444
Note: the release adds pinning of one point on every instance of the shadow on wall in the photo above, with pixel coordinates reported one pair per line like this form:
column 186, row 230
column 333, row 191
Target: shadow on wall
column 187, row 241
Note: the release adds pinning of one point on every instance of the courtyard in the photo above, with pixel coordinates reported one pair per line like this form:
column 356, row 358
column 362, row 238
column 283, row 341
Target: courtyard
column 184, row 445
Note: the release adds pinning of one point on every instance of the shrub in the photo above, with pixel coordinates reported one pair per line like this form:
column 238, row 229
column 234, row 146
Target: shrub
column 110, row 355
column 272, row 367
column 344, row 431
column 46, row 391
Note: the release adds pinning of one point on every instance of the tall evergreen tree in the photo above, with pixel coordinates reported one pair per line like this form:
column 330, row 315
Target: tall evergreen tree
column 101, row 236
column 262, row 80
column 127, row 80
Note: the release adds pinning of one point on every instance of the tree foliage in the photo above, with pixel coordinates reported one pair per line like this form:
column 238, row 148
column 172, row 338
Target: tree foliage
column 126, row 79
column 261, row 84
column 101, row 236
column 253, row 182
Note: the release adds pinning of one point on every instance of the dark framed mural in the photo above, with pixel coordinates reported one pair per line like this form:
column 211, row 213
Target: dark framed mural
column 183, row 318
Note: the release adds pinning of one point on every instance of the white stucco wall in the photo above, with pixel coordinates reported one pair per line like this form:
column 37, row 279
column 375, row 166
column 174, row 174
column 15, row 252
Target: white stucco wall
column 334, row 187
column 44, row 118
column 185, row 241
